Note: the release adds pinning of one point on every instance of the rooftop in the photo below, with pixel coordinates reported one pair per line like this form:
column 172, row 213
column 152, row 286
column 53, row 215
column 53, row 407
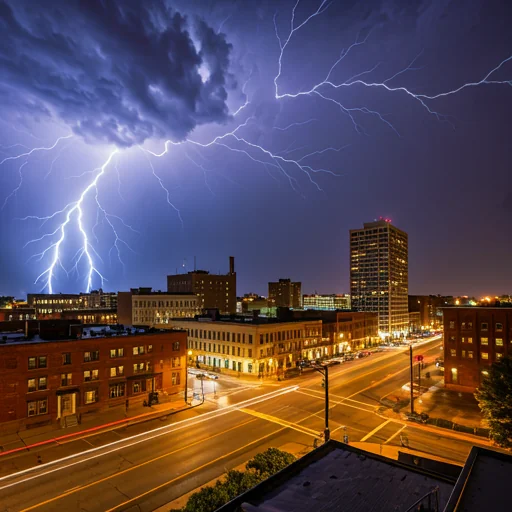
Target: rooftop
column 337, row 476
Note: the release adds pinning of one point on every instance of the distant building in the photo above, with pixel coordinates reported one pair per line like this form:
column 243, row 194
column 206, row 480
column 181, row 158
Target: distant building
column 379, row 275
column 326, row 302
column 47, row 382
column 285, row 294
column 214, row 291
column 474, row 338
column 144, row 307
column 94, row 307
column 430, row 308
column 258, row 347
column 253, row 302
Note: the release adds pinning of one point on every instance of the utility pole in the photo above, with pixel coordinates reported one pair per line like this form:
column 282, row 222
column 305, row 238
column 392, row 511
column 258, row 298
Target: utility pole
column 325, row 372
column 412, row 379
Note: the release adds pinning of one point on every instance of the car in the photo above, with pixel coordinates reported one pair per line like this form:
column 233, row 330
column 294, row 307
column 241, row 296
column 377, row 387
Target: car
column 213, row 376
column 349, row 357
column 331, row 362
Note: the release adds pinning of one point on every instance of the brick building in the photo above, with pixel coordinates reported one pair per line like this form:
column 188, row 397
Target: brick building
column 474, row 338
column 144, row 307
column 49, row 381
column 285, row 294
column 214, row 291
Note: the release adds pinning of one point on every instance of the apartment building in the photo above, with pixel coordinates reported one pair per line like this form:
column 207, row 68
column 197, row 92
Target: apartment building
column 474, row 338
column 330, row 302
column 379, row 275
column 144, row 307
column 285, row 294
column 214, row 291
column 258, row 347
column 45, row 382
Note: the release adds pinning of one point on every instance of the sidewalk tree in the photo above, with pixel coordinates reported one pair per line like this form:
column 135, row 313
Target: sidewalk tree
column 494, row 398
column 262, row 466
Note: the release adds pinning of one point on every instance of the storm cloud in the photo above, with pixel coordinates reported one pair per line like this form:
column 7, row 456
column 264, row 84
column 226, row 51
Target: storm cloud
column 114, row 73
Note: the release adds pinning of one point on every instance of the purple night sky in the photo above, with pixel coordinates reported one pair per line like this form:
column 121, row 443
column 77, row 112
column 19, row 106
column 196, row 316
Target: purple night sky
column 103, row 85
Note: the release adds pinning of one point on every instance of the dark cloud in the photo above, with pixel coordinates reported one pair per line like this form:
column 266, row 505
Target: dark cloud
column 117, row 73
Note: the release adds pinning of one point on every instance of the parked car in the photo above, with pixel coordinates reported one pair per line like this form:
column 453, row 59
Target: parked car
column 331, row 362
column 210, row 375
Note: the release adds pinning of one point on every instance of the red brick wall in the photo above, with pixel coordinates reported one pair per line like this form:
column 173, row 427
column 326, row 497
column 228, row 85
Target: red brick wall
column 460, row 324
column 164, row 359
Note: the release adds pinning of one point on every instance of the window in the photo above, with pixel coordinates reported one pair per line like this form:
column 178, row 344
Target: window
column 470, row 354
column 452, row 324
column 37, row 407
column 37, row 384
column 452, row 339
column 175, row 378
column 453, row 352
column 93, row 355
column 484, row 341
column 250, row 339
column 91, row 375
column 484, row 326
column 138, row 367
column 463, row 339
column 175, row 362
column 499, row 342
column 137, row 351
column 116, row 390
column 37, row 362
column 250, row 352
column 484, row 355
column 463, row 353
column 116, row 352
column 66, row 358
column 117, row 371
column 499, row 327
column 470, row 340
column 66, row 379
column 150, row 348
column 463, row 325
column 139, row 386
column 90, row 397
column 176, row 344
column 498, row 356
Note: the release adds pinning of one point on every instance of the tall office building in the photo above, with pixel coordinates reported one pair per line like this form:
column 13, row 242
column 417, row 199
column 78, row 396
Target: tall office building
column 379, row 275
column 285, row 294
column 214, row 291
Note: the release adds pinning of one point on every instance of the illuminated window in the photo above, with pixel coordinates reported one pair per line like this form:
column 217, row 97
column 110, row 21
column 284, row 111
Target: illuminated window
column 453, row 352
column 484, row 355
column 470, row 354
column 91, row 397
column 498, row 356
column 484, row 341
column 463, row 353
column 470, row 340
column 499, row 342
column 452, row 325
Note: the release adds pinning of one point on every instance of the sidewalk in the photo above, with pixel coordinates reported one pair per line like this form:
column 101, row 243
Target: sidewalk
column 114, row 418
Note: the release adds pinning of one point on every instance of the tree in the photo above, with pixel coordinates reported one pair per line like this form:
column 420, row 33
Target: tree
column 270, row 462
column 494, row 398
column 263, row 465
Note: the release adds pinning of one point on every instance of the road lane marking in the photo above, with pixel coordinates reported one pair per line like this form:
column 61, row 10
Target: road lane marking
column 341, row 402
column 343, row 398
column 142, row 437
column 395, row 434
column 284, row 423
column 374, row 431
column 101, row 480
column 122, row 506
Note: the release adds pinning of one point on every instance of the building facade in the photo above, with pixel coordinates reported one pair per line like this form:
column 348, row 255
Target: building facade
column 285, row 294
column 326, row 302
column 474, row 338
column 143, row 307
column 91, row 308
column 379, row 275
column 49, row 381
column 214, row 291
column 259, row 348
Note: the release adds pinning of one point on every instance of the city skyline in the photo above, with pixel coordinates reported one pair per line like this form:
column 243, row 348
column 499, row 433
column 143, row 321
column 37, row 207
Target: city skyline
column 430, row 169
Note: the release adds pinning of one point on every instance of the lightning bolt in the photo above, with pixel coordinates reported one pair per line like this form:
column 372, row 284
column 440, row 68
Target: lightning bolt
column 327, row 84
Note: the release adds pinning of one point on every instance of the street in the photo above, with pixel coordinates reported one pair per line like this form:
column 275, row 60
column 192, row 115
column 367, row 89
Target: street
column 146, row 466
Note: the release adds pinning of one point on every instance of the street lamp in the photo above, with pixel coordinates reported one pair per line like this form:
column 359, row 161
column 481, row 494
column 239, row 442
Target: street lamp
column 189, row 353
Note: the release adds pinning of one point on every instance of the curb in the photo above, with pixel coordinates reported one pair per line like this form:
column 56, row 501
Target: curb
column 113, row 425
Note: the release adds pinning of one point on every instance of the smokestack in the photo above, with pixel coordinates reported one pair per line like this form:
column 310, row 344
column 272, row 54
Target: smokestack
column 231, row 264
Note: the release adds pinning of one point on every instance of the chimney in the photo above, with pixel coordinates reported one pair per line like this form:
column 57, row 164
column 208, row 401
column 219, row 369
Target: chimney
column 231, row 264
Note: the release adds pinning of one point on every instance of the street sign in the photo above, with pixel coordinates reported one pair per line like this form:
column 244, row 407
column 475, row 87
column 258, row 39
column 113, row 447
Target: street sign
column 419, row 358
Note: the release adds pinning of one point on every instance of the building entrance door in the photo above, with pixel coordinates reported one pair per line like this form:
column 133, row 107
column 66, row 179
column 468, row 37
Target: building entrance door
column 67, row 404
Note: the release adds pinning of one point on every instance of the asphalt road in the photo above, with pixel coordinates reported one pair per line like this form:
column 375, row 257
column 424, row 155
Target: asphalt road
column 146, row 466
